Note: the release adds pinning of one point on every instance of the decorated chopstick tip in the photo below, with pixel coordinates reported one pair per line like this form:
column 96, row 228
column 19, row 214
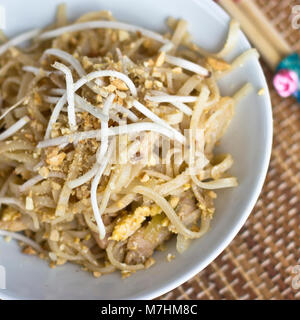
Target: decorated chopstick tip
column 286, row 82
column 287, row 78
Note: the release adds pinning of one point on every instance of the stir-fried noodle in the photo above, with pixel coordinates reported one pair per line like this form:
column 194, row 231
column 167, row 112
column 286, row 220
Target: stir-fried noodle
column 107, row 138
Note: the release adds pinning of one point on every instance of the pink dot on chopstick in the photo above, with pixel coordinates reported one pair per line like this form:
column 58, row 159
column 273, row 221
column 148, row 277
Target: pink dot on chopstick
column 286, row 82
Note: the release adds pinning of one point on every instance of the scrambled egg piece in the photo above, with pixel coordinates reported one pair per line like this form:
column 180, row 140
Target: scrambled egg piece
column 128, row 224
column 10, row 214
column 218, row 65
column 11, row 220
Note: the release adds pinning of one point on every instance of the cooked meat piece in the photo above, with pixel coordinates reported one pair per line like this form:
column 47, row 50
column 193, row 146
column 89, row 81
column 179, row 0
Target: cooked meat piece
column 142, row 243
column 186, row 208
column 101, row 243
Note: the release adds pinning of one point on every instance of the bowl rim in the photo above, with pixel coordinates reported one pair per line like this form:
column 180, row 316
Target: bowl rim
column 237, row 225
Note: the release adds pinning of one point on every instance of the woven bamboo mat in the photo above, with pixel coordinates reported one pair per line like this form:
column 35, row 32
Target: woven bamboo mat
column 259, row 263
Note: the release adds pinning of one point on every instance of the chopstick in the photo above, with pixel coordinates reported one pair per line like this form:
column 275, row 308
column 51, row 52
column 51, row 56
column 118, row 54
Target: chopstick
column 259, row 30
column 264, row 25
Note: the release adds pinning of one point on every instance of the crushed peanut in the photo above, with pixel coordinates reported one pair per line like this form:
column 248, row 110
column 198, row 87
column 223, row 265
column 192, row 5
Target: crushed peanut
column 120, row 204
column 149, row 262
column 119, row 84
column 55, row 186
column 125, row 274
column 29, row 205
column 177, row 70
column 37, row 98
column 148, row 84
column 160, row 59
column 76, row 240
column 186, row 186
column 10, row 214
column 56, row 160
column 212, row 194
column 158, row 84
column 145, row 177
column 60, row 261
column 170, row 257
column 128, row 224
column 87, row 237
column 52, row 256
column 54, row 235
column 29, row 250
column 44, row 172
column 97, row 274
column 174, row 201
column 123, row 35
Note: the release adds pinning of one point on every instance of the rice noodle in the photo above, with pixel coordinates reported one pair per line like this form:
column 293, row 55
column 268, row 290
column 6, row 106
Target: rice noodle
column 240, row 61
column 57, row 91
column 182, row 243
column 183, row 107
column 171, row 214
column 158, row 120
column 187, row 65
column 37, row 71
column 118, row 264
column 38, row 178
column 156, row 174
column 124, row 129
column 86, row 106
column 171, row 99
column 54, row 116
column 84, row 178
column 179, row 33
column 102, row 150
column 177, row 101
column 144, row 127
column 62, row 203
column 218, row 184
column 231, row 40
column 65, row 56
column 104, row 129
column 167, row 47
column 101, row 25
column 50, row 99
column 14, row 128
column 20, row 237
column 91, row 76
column 5, row 113
column 61, row 15
column 244, row 91
column 4, row 188
column 173, row 184
column 70, row 93
column 13, row 201
column 19, row 39
column 106, row 73
column 94, row 186
column 126, row 112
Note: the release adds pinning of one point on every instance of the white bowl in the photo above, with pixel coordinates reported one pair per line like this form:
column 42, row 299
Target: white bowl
column 248, row 139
